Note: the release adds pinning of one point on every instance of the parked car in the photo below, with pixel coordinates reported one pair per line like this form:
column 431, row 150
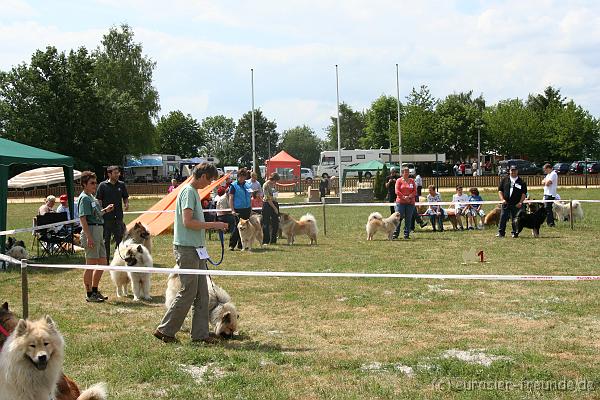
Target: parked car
column 578, row 167
column 525, row 167
column 441, row 169
column 593, row 168
column 561, row 167
column 307, row 174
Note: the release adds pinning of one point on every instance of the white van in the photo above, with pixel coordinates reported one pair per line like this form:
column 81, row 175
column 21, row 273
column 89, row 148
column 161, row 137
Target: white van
column 307, row 174
column 231, row 169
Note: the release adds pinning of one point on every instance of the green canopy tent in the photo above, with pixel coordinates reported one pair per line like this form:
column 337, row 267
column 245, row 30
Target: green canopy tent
column 367, row 166
column 13, row 153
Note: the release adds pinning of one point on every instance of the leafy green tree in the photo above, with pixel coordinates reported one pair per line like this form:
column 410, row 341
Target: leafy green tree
column 218, row 131
column 419, row 122
column 180, row 134
column 381, row 123
column 352, row 129
column 377, row 186
column 457, row 118
column 302, row 143
column 124, row 83
column 265, row 135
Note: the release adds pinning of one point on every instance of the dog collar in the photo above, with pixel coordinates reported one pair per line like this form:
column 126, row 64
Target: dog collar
column 4, row 331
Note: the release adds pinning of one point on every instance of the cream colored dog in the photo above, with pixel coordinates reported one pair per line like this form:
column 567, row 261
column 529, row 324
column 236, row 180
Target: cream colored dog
column 132, row 254
column 376, row 222
column 290, row 227
column 250, row 231
column 223, row 314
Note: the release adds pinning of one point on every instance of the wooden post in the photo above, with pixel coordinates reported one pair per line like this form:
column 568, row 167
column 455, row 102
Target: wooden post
column 324, row 218
column 24, row 289
column 571, row 213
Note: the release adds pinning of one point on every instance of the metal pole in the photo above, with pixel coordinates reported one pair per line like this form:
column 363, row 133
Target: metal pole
column 437, row 168
column 571, row 213
column 478, row 151
column 24, row 289
column 254, row 163
column 399, row 130
column 324, row 218
column 340, row 171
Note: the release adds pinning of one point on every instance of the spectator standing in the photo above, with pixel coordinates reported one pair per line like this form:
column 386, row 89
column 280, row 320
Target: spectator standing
column 324, row 185
column 173, row 185
column 188, row 245
column 512, row 192
column 256, row 202
column 474, row 168
column 255, row 184
column 460, row 205
column 436, row 212
column 416, row 216
column 270, row 210
column 92, row 235
column 455, row 169
column 462, row 168
column 48, row 206
column 222, row 203
column 550, row 183
column 240, row 202
column 406, row 193
column 390, row 184
column 113, row 191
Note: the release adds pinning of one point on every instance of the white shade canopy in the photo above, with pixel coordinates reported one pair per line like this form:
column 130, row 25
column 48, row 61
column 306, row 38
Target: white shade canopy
column 44, row 176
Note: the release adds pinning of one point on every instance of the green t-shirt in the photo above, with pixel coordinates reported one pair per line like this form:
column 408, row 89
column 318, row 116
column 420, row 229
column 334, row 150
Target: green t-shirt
column 188, row 198
column 90, row 207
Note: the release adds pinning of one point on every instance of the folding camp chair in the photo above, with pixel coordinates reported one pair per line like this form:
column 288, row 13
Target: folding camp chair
column 55, row 240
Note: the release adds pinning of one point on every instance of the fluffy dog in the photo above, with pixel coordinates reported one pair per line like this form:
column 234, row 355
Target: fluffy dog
column 223, row 314
column 31, row 364
column 290, row 227
column 376, row 222
column 493, row 217
column 139, row 234
column 16, row 249
column 562, row 213
column 532, row 220
column 250, row 230
column 132, row 254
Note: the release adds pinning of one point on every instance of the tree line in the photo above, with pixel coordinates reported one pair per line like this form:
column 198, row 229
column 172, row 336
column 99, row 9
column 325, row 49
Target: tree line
column 100, row 105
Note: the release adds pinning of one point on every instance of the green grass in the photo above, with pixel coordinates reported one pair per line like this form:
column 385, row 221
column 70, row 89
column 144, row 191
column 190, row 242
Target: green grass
column 315, row 338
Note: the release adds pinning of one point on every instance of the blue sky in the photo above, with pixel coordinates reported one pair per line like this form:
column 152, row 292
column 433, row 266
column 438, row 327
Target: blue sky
column 204, row 50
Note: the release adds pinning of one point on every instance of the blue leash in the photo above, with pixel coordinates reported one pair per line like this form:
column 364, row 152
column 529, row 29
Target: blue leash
column 222, row 239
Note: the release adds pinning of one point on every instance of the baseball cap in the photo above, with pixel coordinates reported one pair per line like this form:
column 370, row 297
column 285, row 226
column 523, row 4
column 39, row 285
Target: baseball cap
column 63, row 198
column 513, row 167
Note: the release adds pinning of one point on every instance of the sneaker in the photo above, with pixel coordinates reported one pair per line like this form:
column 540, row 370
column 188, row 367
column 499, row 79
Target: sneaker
column 406, row 237
column 161, row 336
column 498, row 235
column 514, row 235
column 93, row 298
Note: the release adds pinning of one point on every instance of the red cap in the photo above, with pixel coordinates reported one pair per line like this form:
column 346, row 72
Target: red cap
column 221, row 190
column 63, row 198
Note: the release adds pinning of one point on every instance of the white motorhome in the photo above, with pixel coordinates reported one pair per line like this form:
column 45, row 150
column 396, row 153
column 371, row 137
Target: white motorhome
column 160, row 167
column 328, row 160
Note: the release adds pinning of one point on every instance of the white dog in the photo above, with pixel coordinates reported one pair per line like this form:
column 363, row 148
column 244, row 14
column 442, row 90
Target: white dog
column 132, row 254
column 223, row 314
column 561, row 211
column 376, row 222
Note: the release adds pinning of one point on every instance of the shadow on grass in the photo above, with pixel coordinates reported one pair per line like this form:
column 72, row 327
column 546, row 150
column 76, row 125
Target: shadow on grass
column 130, row 303
column 244, row 342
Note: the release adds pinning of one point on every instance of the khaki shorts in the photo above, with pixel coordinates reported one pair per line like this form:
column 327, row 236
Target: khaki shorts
column 99, row 251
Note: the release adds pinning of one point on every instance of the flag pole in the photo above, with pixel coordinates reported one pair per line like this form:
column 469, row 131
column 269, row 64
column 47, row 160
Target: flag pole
column 254, row 163
column 399, row 131
column 337, row 86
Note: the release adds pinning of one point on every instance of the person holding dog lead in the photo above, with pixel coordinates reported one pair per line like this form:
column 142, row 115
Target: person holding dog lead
column 550, row 183
column 190, row 253
column 512, row 192
column 240, row 194
column 270, row 210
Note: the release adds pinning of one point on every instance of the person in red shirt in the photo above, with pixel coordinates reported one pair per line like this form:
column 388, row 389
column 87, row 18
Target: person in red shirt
column 406, row 193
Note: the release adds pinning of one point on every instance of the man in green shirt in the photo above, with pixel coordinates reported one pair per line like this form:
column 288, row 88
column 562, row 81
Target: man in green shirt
column 188, row 238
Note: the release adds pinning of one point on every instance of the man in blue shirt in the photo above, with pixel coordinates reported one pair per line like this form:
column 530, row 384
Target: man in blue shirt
column 240, row 195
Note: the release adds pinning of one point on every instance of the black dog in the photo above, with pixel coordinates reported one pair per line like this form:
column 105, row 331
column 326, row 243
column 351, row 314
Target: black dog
column 13, row 242
column 532, row 220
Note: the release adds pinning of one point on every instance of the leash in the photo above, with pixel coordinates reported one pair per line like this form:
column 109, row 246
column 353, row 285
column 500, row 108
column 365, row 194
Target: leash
column 222, row 239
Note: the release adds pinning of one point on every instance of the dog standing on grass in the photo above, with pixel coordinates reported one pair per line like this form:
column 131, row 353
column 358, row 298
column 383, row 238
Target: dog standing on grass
column 307, row 225
column 132, row 255
column 376, row 223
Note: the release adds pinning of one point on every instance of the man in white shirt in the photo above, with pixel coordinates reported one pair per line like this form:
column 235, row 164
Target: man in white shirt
column 460, row 201
column 550, row 183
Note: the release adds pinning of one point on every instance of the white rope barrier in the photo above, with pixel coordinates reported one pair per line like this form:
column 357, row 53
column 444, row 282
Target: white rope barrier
column 320, row 274
column 8, row 259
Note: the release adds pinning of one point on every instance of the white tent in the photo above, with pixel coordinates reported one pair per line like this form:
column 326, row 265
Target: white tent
column 44, row 176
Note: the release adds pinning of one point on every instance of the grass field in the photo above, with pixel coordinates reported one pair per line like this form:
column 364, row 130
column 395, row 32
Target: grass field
column 351, row 338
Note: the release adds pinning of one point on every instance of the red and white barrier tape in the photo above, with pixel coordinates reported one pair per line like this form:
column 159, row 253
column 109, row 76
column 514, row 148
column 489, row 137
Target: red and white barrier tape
column 322, row 274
